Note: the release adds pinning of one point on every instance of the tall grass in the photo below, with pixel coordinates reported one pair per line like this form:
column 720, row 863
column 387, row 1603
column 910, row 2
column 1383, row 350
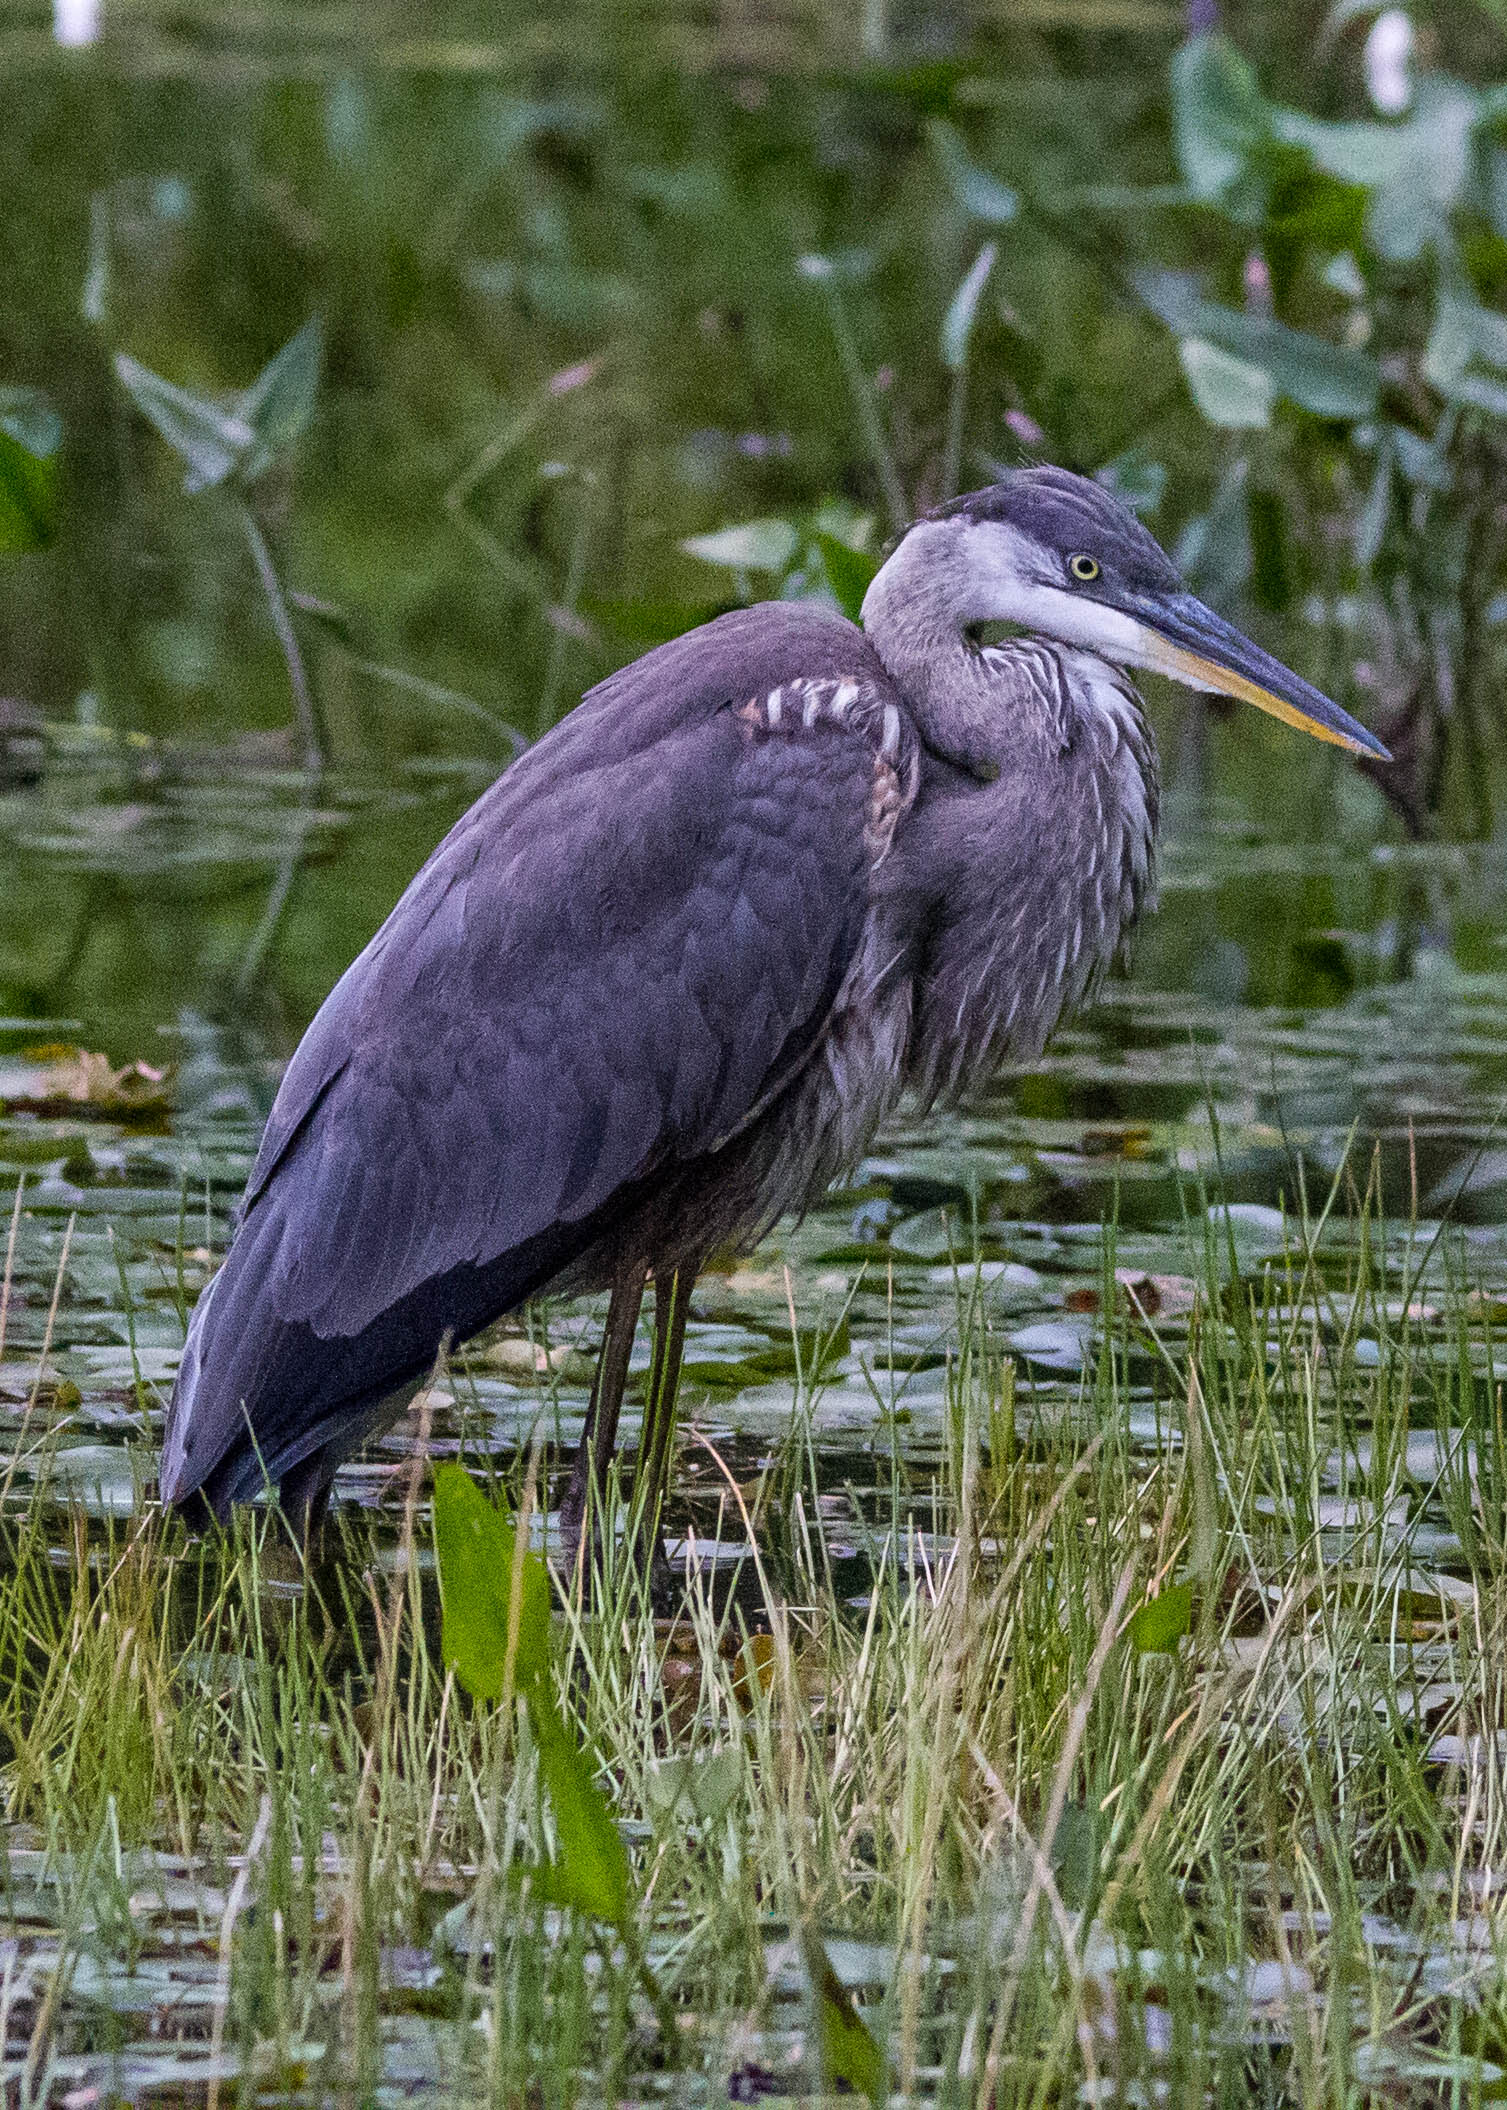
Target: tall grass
column 1258, row 1862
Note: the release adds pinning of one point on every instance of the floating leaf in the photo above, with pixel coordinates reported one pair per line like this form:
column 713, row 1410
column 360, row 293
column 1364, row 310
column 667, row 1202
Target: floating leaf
column 700, row 1789
column 1056, row 1344
column 980, row 194
column 755, row 545
column 591, row 1872
column 280, row 401
column 474, row 1548
column 30, row 434
column 210, row 440
column 848, row 2053
column 849, row 571
column 1158, row 1626
column 957, row 324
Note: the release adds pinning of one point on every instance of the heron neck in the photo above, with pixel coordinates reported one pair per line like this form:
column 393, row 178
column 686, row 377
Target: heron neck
column 911, row 614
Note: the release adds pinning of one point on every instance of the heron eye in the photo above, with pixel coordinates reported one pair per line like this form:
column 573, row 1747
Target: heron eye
column 1084, row 568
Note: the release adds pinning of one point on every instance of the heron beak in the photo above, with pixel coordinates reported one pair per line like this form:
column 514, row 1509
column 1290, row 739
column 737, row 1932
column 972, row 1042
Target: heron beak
column 1183, row 638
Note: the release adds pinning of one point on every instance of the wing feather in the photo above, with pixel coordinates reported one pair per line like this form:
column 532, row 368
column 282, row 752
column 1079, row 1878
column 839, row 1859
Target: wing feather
column 606, row 968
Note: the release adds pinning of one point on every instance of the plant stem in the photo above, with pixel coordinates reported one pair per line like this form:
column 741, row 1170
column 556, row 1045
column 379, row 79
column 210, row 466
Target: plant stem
column 868, row 412
column 282, row 623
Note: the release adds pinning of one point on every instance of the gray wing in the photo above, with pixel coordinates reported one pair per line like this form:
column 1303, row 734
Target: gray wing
column 609, row 964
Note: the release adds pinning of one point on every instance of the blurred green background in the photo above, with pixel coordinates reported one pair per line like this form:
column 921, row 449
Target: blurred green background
column 575, row 326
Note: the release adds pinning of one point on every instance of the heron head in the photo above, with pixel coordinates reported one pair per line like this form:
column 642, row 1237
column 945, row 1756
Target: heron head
column 1057, row 554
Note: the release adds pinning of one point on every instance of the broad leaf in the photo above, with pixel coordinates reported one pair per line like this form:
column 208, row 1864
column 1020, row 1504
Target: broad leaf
column 280, row 401
column 1464, row 335
column 29, row 418
column 756, row 545
column 591, row 1873
column 848, row 2053
column 1214, row 550
column 211, row 441
column 1136, row 477
column 1162, row 1621
column 1417, row 171
column 981, row 195
column 1328, row 379
column 30, row 434
column 957, row 324
column 1220, row 123
column 1229, row 391
column 849, row 571
column 474, row 1548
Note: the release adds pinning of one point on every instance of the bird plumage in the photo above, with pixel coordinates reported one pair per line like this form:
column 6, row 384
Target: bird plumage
column 666, row 977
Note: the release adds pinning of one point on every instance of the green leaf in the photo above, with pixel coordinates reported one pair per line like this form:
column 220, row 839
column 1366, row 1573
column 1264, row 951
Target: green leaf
column 1214, row 549
column 30, row 434
column 591, row 1873
column 1136, row 477
column 1328, row 379
column 1464, row 334
column 981, row 195
column 210, row 440
column 1230, row 392
column 756, row 545
column 695, row 1790
column 1416, row 171
column 849, row 571
column 29, row 418
column 957, row 323
column 846, row 2047
column 1374, row 514
column 280, row 401
column 1220, row 123
column 1076, row 1849
column 1159, row 1625
column 474, row 1550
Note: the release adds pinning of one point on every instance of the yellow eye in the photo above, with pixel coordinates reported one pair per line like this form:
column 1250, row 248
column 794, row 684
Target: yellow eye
column 1084, row 568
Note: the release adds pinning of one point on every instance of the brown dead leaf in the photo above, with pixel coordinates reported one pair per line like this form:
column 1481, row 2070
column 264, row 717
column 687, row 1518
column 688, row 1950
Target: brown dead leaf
column 73, row 1081
column 1130, row 1142
column 1143, row 1296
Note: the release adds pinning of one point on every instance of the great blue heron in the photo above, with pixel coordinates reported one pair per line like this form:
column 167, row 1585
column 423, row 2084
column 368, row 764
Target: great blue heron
column 664, row 979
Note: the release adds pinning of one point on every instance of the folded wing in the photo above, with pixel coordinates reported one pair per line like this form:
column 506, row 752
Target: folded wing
column 624, row 948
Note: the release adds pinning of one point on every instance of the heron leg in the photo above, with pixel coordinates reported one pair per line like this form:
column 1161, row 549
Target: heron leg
column 599, row 1431
column 672, row 1297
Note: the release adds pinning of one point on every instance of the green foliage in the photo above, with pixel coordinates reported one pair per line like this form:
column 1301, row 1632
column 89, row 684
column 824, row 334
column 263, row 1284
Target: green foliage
column 30, row 435
column 982, row 196
column 241, row 441
column 591, row 1873
column 494, row 1642
column 1219, row 123
column 849, row 571
column 962, row 311
column 1157, row 1626
column 826, row 553
column 495, row 1595
column 848, row 2055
